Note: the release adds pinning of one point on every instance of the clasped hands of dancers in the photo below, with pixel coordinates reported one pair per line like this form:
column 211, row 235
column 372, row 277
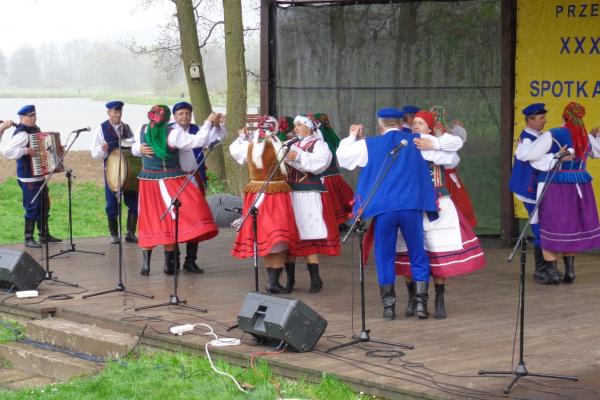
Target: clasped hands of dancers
column 422, row 217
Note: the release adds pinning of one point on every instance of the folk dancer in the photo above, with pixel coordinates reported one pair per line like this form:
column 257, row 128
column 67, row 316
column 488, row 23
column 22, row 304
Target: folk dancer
column 409, row 112
column 404, row 195
column 19, row 149
column 106, row 140
column 313, row 209
column 189, row 160
column 451, row 245
column 161, row 177
column 277, row 231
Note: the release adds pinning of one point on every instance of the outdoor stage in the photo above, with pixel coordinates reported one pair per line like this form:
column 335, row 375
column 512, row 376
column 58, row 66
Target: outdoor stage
column 562, row 322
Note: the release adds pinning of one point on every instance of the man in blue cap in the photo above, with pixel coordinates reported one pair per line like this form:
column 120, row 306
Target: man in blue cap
column 20, row 149
column 408, row 117
column 405, row 193
column 189, row 159
column 524, row 182
column 106, row 139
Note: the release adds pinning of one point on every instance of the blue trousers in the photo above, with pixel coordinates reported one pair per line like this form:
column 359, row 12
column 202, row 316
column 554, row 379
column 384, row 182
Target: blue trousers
column 410, row 223
column 34, row 210
column 535, row 228
column 112, row 208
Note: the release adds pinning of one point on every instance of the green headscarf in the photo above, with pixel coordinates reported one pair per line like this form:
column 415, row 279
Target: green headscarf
column 158, row 129
column 286, row 124
column 329, row 135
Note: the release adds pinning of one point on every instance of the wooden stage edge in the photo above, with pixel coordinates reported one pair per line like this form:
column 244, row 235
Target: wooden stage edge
column 561, row 322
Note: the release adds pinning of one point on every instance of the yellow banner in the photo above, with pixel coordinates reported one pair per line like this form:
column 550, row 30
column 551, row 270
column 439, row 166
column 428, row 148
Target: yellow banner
column 558, row 61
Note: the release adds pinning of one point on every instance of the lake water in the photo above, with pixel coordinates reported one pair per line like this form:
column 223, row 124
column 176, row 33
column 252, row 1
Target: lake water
column 67, row 114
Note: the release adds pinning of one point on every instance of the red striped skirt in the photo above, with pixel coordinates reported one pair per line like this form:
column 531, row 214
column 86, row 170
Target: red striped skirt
column 196, row 222
column 330, row 246
column 276, row 226
column 341, row 195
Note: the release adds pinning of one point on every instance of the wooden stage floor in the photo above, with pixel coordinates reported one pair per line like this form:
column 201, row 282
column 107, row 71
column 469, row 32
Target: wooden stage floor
column 562, row 322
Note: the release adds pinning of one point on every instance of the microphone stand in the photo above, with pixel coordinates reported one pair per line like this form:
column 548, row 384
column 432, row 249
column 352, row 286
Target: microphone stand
column 119, row 195
column 521, row 371
column 174, row 299
column 359, row 227
column 71, row 246
column 44, row 224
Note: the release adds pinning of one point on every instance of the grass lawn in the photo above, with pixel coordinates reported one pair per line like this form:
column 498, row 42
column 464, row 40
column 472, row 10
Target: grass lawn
column 180, row 376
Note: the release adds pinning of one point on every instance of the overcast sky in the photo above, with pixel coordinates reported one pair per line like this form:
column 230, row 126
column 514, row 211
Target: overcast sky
column 33, row 22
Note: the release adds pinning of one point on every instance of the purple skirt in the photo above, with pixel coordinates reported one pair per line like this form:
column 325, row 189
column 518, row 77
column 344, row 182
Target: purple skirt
column 568, row 222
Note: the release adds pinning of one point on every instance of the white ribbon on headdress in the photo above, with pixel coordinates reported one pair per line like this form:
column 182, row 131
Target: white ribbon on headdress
column 259, row 147
column 304, row 120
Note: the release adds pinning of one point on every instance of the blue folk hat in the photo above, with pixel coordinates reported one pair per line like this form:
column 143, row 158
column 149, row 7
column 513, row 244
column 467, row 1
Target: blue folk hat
column 390, row 113
column 535, row 109
column 115, row 105
column 410, row 109
column 182, row 105
column 27, row 110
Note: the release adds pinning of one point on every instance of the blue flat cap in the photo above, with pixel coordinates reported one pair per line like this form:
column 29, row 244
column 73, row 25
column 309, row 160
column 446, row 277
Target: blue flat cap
column 182, row 105
column 115, row 105
column 27, row 110
column 390, row 113
column 535, row 109
column 410, row 109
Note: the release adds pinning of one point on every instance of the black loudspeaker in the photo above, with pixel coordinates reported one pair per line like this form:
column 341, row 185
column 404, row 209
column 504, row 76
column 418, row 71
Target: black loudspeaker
column 18, row 268
column 281, row 319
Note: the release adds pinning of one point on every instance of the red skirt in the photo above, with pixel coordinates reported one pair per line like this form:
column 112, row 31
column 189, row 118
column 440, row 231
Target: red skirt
column 341, row 195
column 196, row 222
column 460, row 196
column 330, row 246
column 445, row 264
column 276, row 224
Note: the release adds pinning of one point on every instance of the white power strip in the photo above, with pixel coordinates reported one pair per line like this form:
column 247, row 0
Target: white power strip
column 25, row 294
column 181, row 329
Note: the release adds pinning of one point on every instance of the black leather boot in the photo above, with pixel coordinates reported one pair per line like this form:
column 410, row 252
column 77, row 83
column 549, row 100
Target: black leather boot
column 552, row 272
column 170, row 262
column 191, row 253
column 273, row 285
column 316, row 283
column 440, row 308
column 146, row 265
column 44, row 231
column 388, row 299
column 29, row 228
column 422, row 295
column 410, row 305
column 113, row 228
column 290, row 272
column 540, row 275
column 131, row 226
column 569, row 269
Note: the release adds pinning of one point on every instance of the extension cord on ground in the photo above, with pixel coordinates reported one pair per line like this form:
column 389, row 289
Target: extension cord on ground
column 25, row 294
column 181, row 329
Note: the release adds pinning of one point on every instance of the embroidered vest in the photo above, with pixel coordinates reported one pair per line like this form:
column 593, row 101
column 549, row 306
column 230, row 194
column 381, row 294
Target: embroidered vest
column 305, row 181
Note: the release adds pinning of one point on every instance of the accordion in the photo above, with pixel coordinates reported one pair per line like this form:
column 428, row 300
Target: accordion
column 48, row 152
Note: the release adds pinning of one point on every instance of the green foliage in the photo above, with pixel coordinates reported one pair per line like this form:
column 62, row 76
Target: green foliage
column 10, row 330
column 215, row 185
column 88, row 211
column 181, row 376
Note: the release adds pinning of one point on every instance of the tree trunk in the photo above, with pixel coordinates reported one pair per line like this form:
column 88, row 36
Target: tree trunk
column 190, row 52
column 236, row 88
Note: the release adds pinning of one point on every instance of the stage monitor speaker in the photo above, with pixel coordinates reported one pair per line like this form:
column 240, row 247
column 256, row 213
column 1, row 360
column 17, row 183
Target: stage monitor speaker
column 278, row 318
column 18, row 268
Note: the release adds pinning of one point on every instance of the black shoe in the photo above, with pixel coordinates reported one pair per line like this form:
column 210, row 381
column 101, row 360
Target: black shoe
column 569, row 269
column 290, row 272
column 553, row 275
column 388, row 299
column 411, row 304
column 113, row 228
column 273, row 285
column 440, row 308
column 146, row 265
column 131, row 225
column 422, row 296
column 191, row 251
column 29, row 240
column 343, row 227
column 48, row 239
column 170, row 262
column 540, row 275
column 316, row 283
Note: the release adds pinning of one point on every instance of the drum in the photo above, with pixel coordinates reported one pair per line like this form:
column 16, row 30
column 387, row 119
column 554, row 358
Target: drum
column 130, row 169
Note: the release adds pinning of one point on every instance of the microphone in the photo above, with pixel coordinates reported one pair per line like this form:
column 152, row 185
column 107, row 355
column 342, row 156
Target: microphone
column 87, row 129
column 562, row 154
column 290, row 142
column 396, row 149
column 13, row 124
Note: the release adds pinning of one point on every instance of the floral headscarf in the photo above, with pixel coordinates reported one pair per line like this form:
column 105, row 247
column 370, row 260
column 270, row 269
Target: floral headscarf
column 573, row 116
column 329, row 135
column 286, row 124
column 267, row 126
column 158, row 129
